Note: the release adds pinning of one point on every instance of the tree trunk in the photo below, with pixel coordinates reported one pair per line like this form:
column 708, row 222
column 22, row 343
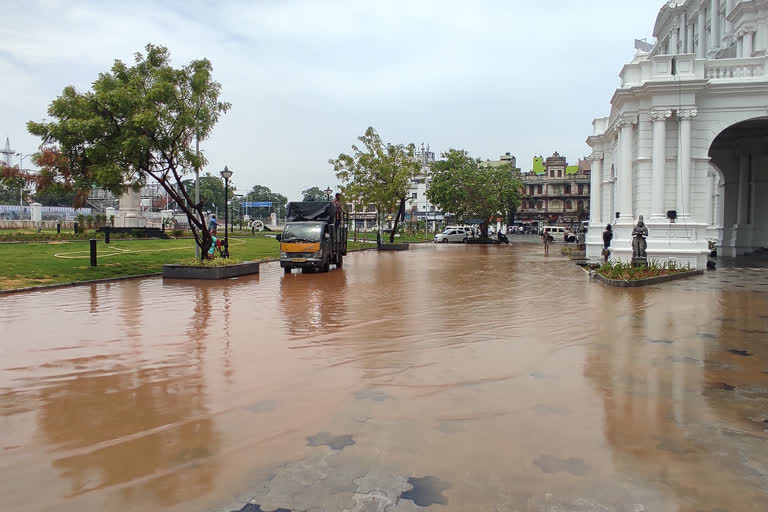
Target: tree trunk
column 484, row 231
column 400, row 212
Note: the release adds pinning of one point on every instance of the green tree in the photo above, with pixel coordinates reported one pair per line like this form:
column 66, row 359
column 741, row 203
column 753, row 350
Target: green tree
column 137, row 123
column 211, row 191
column 262, row 193
column 313, row 194
column 467, row 189
column 11, row 183
column 378, row 174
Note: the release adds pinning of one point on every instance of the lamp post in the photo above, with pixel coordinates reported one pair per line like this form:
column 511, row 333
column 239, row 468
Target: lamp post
column 226, row 174
column 21, row 169
column 328, row 193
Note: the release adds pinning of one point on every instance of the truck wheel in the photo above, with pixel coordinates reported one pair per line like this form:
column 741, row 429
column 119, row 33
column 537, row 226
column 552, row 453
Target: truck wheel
column 287, row 270
column 326, row 266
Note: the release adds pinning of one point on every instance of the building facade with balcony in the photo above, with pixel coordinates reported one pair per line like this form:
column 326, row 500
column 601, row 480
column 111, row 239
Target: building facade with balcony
column 554, row 192
column 686, row 137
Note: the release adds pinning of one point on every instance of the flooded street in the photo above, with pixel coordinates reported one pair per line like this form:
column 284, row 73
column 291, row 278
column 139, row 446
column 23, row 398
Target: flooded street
column 449, row 378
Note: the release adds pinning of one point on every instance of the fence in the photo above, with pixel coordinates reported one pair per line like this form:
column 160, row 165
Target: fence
column 60, row 213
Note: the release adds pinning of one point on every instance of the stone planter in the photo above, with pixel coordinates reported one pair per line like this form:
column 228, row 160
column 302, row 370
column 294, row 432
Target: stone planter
column 620, row 283
column 394, row 247
column 199, row 272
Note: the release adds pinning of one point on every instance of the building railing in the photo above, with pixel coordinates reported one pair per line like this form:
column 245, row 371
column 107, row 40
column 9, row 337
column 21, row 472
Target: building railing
column 734, row 68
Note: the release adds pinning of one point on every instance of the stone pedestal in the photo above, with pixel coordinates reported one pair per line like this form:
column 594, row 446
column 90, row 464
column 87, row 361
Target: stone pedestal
column 130, row 216
column 111, row 215
column 639, row 261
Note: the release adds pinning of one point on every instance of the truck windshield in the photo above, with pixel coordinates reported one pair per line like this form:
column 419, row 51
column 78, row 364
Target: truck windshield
column 303, row 232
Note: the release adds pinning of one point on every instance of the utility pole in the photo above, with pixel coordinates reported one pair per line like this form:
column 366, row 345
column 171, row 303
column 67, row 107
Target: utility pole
column 197, row 187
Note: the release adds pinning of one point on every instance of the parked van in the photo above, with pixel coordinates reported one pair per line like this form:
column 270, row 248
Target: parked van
column 558, row 233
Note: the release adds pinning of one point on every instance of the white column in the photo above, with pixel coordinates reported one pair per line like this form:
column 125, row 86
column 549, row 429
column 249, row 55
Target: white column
column 747, row 44
column 659, row 118
column 714, row 12
column 728, row 9
column 684, row 186
column 741, row 213
column 739, row 47
column 709, row 218
column 596, row 190
column 689, row 38
column 673, row 42
column 624, row 173
column 701, row 51
column 684, row 33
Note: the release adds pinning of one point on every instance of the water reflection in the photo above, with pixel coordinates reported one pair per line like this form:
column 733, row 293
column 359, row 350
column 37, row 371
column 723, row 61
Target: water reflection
column 499, row 372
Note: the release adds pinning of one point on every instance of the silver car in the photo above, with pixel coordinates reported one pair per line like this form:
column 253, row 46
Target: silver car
column 451, row 235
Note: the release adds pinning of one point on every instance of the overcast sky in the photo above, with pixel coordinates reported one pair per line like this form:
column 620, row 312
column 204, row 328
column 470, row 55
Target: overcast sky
column 305, row 78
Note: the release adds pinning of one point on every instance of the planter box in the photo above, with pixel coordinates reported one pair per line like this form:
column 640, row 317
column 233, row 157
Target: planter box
column 394, row 247
column 197, row 272
column 644, row 282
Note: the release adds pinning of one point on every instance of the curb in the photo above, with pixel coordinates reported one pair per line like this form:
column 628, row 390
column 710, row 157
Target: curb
column 121, row 278
column 620, row 283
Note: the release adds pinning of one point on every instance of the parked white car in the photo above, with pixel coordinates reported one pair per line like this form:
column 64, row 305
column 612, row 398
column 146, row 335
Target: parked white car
column 452, row 235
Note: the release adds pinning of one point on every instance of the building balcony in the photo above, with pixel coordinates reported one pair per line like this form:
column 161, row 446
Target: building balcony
column 660, row 68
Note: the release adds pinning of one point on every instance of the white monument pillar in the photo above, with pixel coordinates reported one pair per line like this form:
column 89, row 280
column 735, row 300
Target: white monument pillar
column 129, row 210
column 36, row 212
column 659, row 118
column 111, row 214
column 714, row 13
column 624, row 173
column 701, row 51
column 747, row 44
column 596, row 191
column 689, row 37
column 739, row 47
column 684, row 187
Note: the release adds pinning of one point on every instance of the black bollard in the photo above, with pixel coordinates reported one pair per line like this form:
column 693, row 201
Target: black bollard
column 106, row 234
column 75, row 227
column 58, row 228
column 93, row 252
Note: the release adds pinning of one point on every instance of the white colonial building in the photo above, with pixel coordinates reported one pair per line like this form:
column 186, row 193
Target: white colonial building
column 687, row 135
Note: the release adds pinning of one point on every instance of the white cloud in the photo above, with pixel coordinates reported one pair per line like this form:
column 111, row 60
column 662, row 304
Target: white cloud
column 306, row 77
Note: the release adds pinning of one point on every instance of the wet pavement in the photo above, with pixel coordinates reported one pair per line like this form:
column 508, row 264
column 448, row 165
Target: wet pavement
column 447, row 378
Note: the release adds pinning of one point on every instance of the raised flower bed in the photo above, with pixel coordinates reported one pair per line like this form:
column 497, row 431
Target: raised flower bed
column 210, row 269
column 625, row 275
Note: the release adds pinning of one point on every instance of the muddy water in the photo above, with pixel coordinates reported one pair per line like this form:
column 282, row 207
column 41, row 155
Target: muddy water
column 451, row 378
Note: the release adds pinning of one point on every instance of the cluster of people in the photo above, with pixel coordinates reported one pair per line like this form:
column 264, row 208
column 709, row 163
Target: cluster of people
column 216, row 244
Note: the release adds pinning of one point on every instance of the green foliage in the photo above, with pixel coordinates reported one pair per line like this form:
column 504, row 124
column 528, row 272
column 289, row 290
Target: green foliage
column 262, row 193
column 467, row 189
column 378, row 173
column 216, row 262
column 137, row 123
column 313, row 194
column 627, row 272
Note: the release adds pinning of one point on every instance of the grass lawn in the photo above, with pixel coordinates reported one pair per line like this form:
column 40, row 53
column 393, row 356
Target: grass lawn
column 37, row 264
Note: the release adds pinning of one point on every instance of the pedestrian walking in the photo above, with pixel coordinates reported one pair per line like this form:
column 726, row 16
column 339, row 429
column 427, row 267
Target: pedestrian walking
column 212, row 224
column 547, row 238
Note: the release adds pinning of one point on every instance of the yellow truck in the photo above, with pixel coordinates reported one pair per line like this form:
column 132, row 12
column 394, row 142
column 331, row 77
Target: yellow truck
column 315, row 237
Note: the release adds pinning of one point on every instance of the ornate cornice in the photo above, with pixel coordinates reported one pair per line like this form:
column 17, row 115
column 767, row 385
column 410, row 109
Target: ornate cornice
column 626, row 120
column 687, row 113
column 660, row 115
column 597, row 155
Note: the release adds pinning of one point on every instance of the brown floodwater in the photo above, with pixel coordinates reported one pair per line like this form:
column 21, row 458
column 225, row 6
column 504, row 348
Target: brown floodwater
column 494, row 378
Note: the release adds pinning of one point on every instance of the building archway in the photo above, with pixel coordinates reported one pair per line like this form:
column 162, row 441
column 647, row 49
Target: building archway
column 740, row 154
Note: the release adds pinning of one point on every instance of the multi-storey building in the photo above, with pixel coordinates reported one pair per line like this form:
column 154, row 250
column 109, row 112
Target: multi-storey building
column 554, row 192
column 418, row 207
column 684, row 144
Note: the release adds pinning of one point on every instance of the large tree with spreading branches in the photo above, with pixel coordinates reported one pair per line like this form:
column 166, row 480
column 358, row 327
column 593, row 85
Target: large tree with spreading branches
column 138, row 123
column 378, row 173
column 465, row 187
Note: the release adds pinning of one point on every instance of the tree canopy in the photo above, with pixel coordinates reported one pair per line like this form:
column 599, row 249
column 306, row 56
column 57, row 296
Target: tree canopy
column 262, row 193
column 313, row 194
column 467, row 189
column 137, row 123
column 378, row 173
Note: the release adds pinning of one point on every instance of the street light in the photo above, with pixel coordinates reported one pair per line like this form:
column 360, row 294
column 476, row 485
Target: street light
column 21, row 169
column 328, row 193
column 226, row 174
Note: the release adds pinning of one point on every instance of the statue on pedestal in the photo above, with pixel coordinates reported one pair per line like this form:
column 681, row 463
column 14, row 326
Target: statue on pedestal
column 639, row 245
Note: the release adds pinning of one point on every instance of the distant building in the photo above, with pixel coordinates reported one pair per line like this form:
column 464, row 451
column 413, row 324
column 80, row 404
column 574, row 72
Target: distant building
column 554, row 192
column 418, row 207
